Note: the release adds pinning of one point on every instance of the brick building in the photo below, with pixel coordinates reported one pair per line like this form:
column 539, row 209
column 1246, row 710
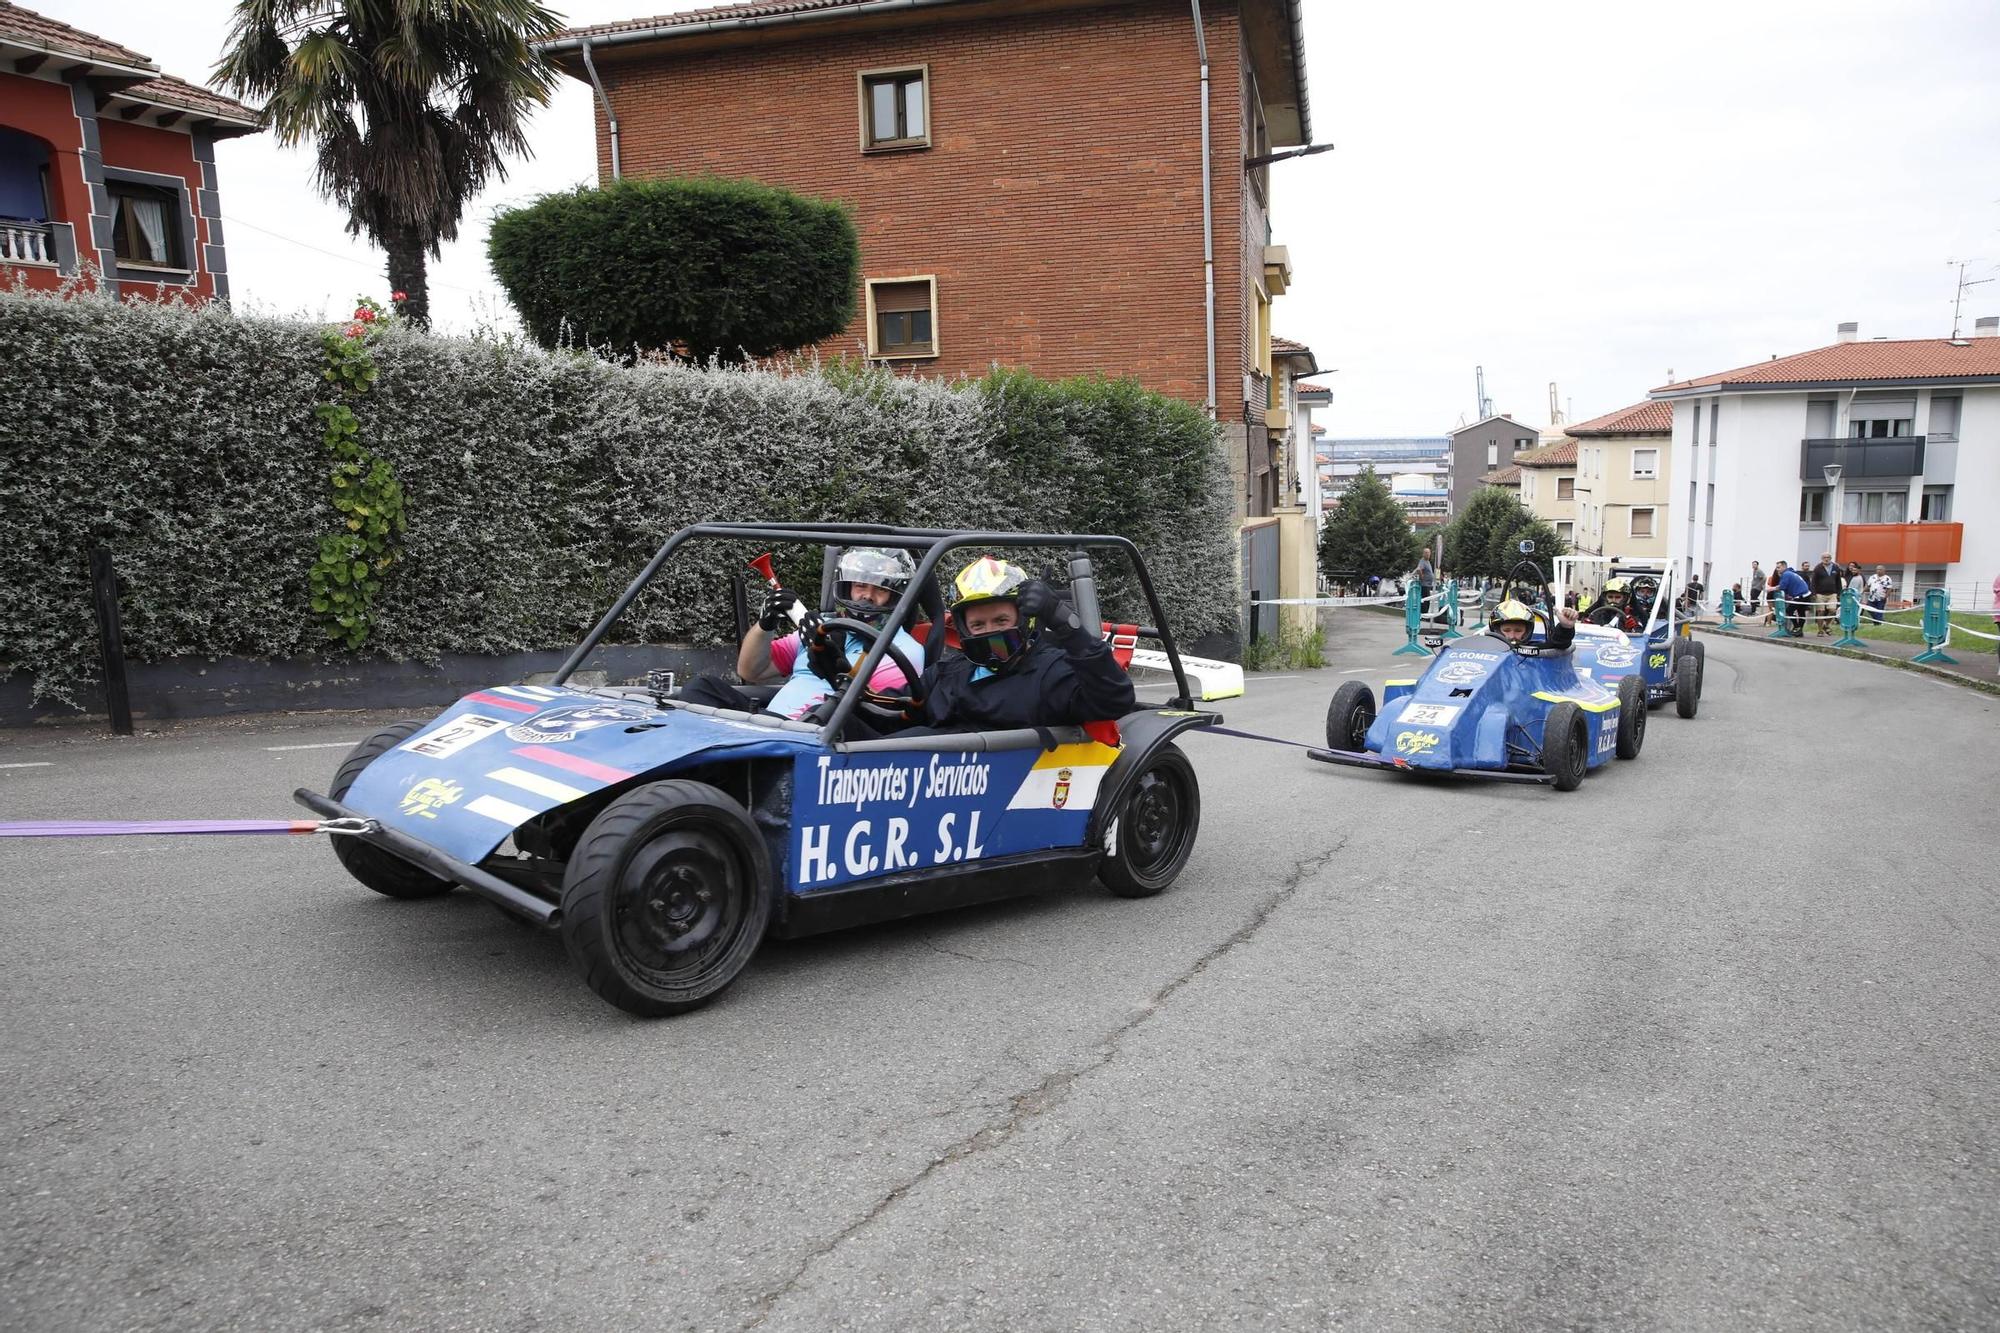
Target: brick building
column 107, row 163
column 1026, row 175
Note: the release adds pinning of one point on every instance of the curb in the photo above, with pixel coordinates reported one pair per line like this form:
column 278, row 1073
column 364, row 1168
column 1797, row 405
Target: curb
column 1855, row 655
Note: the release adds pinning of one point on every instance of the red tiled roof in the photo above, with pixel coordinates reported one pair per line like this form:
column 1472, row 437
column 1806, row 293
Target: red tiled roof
column 189, row 97
column 1286, row 347
column 1647, row 418
column 1890, row 359
column 755, row 9
column 1503, row 476
column 34, row 29
column 1560, row 454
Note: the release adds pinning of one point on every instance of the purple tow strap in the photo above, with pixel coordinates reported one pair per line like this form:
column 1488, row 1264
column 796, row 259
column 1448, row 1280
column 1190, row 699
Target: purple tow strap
column 100, row 828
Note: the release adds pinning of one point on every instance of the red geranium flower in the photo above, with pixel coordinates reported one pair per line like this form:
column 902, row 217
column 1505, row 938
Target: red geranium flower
column 399, row 296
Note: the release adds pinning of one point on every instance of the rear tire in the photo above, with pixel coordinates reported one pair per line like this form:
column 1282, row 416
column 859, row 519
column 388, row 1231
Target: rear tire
column 1158, row 819
column 1700, row 651
column 385, row 872
column 1565, row 746
column 1687, row 685
column 1349, row 716
column 1631, row 716
column 666, row 897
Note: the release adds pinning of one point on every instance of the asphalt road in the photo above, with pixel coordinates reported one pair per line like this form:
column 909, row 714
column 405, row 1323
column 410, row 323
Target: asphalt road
column 1389, row 1056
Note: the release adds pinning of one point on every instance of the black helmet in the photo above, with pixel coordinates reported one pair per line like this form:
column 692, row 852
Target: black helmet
column 868, row 564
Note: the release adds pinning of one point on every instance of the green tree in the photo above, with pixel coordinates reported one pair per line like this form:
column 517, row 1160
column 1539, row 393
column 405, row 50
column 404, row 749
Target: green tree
column 1484, row 540
column 701, row 267
column 413, row 105
column 1369, row 533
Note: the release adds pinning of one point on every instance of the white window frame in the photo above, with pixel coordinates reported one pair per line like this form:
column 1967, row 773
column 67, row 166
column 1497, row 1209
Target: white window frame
column 1652, row 514
column 1645, row 474
column 874, row 349
column 861, row 78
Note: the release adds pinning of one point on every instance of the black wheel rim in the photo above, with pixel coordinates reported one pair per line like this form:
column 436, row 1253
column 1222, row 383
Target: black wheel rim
column 681, row 901
column 1156, row 829
column 1358, row 722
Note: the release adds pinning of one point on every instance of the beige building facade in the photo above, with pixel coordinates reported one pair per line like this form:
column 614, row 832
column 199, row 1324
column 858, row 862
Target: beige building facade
column 1548, row 486
column 1621, row 484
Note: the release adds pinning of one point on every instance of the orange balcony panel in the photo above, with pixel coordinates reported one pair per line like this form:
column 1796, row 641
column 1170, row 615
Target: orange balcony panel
column 1900, row 543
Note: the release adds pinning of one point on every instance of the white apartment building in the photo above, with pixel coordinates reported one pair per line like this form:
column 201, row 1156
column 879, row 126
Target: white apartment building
column 1883, row 452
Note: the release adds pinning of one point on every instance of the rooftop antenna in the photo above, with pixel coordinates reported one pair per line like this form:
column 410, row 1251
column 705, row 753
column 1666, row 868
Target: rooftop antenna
column 1485, row 404
column 1958, row 297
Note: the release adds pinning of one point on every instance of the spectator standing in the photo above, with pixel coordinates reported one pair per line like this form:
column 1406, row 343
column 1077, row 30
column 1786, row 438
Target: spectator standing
column 1827, row 581
column 1797, row 593
column 1426, row 575
column 1878, row 593
column 1754, row 585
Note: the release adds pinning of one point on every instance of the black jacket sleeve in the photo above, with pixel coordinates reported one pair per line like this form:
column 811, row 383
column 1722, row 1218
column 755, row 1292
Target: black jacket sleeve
column 1561, row 636
column 1087, row 684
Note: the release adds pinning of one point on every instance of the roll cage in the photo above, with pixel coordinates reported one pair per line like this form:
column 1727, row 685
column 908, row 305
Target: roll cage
column 930, row 546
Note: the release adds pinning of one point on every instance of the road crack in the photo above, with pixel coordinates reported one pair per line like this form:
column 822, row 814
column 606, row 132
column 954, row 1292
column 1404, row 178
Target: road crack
column 1024, row 1108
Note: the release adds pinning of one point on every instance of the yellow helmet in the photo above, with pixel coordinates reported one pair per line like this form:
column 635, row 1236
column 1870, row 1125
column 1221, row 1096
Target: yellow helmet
column 1619, row 586
column 986, row 580
column 1512, row 610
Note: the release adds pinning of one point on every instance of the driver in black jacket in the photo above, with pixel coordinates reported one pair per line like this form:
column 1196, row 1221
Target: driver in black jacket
column 1024, row 659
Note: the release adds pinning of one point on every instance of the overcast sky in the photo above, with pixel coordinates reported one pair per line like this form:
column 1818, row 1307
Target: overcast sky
column 1575, row 191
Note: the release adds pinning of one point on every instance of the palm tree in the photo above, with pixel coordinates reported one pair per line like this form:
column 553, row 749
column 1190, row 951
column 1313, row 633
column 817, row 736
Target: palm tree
column 413, row 104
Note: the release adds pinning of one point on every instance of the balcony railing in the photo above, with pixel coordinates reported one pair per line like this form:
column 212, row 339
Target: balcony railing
column 26, row 243
column 1888, row 456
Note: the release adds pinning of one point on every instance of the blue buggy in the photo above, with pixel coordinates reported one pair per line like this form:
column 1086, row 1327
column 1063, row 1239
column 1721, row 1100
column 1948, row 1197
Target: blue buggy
column 665, row 839
column 1663, row 654
column 1488, row 708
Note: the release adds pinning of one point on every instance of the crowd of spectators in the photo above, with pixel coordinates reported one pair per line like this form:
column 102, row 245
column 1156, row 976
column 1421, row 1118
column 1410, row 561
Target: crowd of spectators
column 1812, row 594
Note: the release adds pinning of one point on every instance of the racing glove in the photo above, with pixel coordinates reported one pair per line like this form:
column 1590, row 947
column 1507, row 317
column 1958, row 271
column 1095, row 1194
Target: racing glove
column 1043, row 605
column 776, row 617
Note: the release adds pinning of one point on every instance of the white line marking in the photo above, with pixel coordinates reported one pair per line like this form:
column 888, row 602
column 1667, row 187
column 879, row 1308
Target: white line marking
column 323, row 745
column 1356, row 671
column 504, row 811
column 41, row 764
column 1261, row 676
column 536, row 783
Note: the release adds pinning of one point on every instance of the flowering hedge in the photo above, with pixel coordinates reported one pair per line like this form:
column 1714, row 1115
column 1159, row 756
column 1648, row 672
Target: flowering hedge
column 534, row 484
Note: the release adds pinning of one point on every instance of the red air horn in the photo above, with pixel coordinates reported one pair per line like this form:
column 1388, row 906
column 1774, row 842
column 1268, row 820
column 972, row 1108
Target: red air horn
column 762, row 564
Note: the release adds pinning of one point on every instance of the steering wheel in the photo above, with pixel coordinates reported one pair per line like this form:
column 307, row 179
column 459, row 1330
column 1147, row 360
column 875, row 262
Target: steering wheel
column 842, row 626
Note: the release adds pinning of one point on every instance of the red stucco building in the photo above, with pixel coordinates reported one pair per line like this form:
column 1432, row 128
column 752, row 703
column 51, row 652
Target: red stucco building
column 107, row 166
column 1027, row 176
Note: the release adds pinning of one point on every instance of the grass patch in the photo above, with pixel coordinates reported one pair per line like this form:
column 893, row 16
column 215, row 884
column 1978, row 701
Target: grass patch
column 1907, row 627
column 1290, row 649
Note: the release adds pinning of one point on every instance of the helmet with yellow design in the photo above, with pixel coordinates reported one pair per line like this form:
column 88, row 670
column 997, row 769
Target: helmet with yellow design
column 984, row 581
column 1513, row 612
column 1619, row 589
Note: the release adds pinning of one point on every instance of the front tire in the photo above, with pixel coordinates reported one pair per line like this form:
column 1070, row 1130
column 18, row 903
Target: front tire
column 1565, row 746
column 385, row 872
column 1687, row 685
column 1631, row 716
column 1157, row 822
column 666, row 897
column 1349, row 716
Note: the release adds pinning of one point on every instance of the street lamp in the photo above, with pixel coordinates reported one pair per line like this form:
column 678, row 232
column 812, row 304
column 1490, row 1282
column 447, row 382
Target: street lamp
column 1832, row 473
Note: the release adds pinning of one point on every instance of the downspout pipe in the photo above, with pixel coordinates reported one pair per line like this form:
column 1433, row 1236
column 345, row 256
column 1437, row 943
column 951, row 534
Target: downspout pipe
column 1207, row 205
column 590, row 67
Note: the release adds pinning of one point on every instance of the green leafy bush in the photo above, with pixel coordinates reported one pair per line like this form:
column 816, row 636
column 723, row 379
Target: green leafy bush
column 1370, row 532
column 1484, row 540
column 534, row 484
column 702, row 268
